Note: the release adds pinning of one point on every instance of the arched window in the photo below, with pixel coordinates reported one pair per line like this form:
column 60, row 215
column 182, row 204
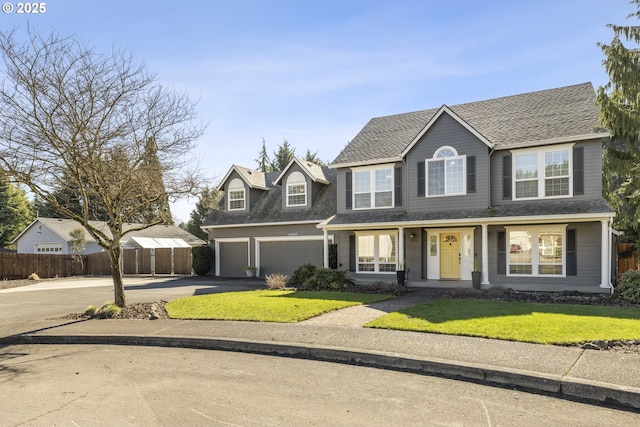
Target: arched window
column 446, row 173
column 296, row 190
column 237, row 193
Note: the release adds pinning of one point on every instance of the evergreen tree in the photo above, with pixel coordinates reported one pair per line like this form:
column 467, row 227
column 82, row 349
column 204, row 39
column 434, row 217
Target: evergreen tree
column 263, row 160
column 313, row 158
column 68, row 195
column 15, row 211
column 283, row 156
column 619, row 102
column 207, row 203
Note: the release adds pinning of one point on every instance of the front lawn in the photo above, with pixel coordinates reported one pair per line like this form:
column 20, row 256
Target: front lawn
column 517, row 321
column 266, row 306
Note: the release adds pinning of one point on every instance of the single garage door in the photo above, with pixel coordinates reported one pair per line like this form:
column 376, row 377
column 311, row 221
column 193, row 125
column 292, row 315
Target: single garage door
column 233, row 259
column 285, row 257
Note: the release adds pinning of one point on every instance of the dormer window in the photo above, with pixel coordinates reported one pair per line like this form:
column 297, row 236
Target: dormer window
column 296, row 190
column 237, row 194
column 446, row 173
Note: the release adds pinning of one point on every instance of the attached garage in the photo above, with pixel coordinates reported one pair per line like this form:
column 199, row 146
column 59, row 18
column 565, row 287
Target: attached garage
column 285, row 254
column 231, row 257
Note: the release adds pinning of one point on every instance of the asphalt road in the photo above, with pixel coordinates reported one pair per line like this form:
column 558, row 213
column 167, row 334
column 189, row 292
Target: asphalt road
column 142, row 386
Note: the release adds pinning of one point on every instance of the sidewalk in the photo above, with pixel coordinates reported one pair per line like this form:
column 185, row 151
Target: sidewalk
column 570, row 372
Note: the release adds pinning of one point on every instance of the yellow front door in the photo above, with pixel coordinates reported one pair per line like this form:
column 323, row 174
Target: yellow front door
column 450, row 256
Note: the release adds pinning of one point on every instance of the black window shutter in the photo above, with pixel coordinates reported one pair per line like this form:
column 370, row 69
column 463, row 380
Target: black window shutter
column 471, row 174
column 348, row 192
column 572, row 253
column 506, row 177
column 421, row 179
column 502, row 252
column 578, row 170
column 352, row 253
column 398, row 186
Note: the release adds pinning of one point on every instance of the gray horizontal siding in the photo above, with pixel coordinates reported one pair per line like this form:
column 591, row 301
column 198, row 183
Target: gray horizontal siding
column 592, row 174
column 448, row 132
column 588, row 240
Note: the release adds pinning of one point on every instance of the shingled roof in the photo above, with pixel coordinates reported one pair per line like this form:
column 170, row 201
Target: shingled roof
column 529, row 119
column 268, row 208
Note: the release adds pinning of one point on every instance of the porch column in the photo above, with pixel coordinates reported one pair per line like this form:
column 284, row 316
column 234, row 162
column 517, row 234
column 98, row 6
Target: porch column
column 485, row 254
column 401, row 259
column 326, row 248
column 605, row 256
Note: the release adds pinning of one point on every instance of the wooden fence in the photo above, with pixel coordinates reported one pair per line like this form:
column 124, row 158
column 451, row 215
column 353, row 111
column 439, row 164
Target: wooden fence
column 134, row 261
column 143, row 261
column 20, row 266
column 627, row 258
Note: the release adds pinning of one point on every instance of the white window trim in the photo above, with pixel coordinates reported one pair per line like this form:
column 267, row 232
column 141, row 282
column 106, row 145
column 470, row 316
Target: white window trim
column 244, row 196
column 541, row 170
column 376, row 251
column 288, row 204
column 438, row 159
column 535, row 261
column 372, row 183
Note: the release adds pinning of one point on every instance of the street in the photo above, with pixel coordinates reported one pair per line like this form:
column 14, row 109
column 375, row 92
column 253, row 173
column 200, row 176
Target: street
column 135, row 386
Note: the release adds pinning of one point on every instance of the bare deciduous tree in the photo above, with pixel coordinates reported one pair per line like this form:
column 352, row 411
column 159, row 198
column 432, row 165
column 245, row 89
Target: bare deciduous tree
column 78, row 244
column 99, row 124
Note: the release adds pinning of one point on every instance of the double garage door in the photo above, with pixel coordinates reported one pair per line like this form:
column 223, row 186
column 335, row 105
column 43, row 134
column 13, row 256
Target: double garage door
column 272, row 256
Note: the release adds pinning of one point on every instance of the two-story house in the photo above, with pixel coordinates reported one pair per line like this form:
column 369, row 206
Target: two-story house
column 509, row 186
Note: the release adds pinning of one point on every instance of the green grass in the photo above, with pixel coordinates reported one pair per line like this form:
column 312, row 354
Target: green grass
column 527, row 322
column 266, row 306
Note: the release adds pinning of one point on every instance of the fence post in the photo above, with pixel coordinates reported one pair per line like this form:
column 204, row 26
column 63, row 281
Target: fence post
column 153, row 261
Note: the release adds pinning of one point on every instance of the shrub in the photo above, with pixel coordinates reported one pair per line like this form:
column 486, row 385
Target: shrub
column 382, row 287
column 326, row 279
column 91, row 310
column 109, row 310
column 302, row 274
column 276, row 281
column 202, row 260
column 33, row 276
column 629, row 287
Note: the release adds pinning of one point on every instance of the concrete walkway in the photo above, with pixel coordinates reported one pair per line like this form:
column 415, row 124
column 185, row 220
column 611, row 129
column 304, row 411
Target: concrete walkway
column 595, row 376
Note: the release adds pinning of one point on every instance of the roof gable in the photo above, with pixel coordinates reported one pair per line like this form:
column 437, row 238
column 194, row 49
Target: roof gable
column 251, row 177
column 445, row 110
column 314, row 171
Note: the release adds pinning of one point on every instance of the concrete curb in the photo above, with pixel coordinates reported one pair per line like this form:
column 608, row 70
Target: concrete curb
column 561, row 386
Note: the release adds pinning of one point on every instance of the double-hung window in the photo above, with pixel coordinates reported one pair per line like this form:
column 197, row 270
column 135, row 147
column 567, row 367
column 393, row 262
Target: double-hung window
column 542, row 173
column 536, row 251
column 376, row 252
column 446, row 173
column 296, row 190
column 237, row 194
column 373, row 187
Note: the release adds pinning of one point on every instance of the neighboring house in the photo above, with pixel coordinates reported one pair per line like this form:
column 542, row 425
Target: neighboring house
column 270, row 220
column 51, row 235
column 510, row 186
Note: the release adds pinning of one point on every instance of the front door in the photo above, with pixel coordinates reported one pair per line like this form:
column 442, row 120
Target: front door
column 450, row 256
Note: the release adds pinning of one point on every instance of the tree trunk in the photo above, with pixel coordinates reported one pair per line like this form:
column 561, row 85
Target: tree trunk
column 116, row 272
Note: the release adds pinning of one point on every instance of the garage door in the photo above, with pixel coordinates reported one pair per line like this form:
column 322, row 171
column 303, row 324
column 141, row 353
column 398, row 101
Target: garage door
column 233, row 258
column 285, row 257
